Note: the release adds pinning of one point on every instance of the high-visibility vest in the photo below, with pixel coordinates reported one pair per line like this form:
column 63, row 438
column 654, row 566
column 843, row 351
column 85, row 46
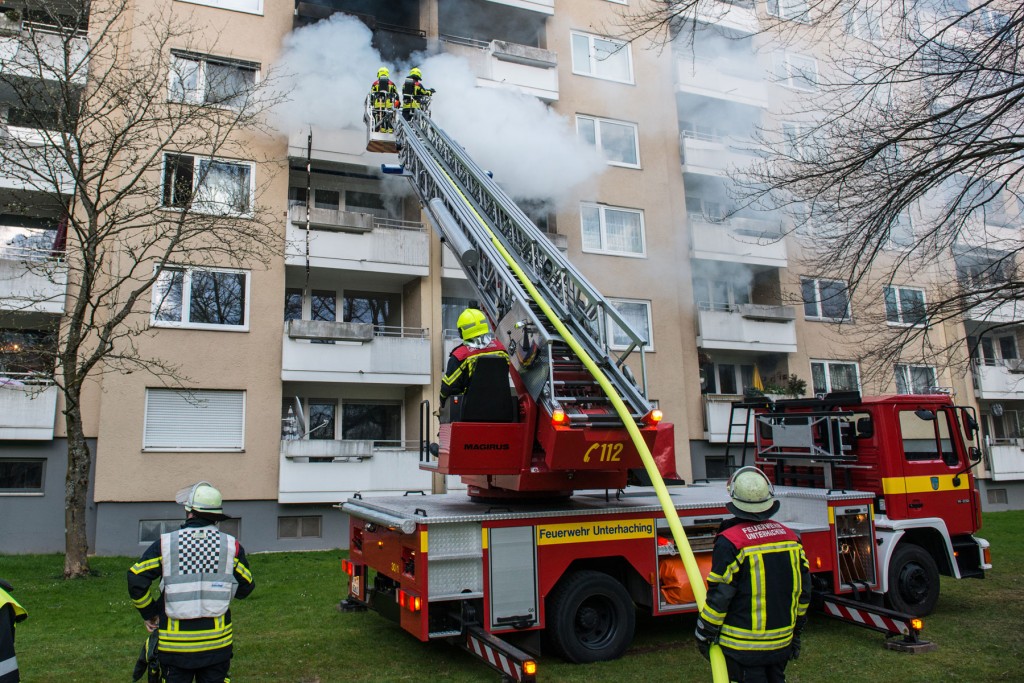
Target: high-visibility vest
column 198, row 572
column 19, row 612
column 9, row 665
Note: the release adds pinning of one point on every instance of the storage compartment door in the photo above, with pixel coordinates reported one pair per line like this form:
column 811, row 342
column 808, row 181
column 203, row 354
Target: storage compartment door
column 512, row 559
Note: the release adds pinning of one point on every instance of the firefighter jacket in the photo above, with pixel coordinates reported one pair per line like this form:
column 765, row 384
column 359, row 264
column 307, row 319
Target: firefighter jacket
column 10, row 614
column 759, row 585
column 461, row 363
column 413, row 93
column 201, row 569
column 384, row 94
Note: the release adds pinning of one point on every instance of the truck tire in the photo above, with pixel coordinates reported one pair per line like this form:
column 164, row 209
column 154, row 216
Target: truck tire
column 590, row 618
column 913, row 581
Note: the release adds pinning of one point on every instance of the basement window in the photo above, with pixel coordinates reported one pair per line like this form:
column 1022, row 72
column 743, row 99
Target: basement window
column 21, row 476
column 300, row 527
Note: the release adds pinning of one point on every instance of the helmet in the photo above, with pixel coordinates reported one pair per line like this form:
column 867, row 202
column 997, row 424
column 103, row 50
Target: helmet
column 202, row 499
column 383, row 72
column 472, row 324
column 415, row 72
column 753, row 496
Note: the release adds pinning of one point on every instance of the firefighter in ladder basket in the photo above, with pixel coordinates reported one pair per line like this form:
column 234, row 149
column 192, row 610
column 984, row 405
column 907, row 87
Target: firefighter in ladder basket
column 414, row 94
column 384, row 100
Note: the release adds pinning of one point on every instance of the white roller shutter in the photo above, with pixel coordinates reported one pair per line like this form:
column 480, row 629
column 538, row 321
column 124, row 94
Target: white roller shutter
column 200, row 420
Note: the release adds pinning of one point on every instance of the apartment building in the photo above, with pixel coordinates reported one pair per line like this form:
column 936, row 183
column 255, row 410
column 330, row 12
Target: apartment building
column 309, row 385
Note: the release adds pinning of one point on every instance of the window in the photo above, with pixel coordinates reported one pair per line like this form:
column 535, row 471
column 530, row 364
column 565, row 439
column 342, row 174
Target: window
column 247, row 6
column 904, row 306
column 327, row 199
column 366, row 202
column 292, row 304
column 323, row 305
column 825, row 299
column 926, row 436
column 197, row 420
column 21, row 476
column 830, row 375
column 915, row 379
column 451, row 308
column 901, row 232
column 796, row 10
column 380, row 421
column 718, row 294
column 615, row 139
column 202, row 299
column 638, row 315
column 795, row 71
column 322, row 418
column 863, row 19
column 150, row 530
column 212, row 186
column 27, row 352
column 202, row 79
column 299, row 527
column 727, row 378
column 601, row 58
column 794, row 139
column 375, row 308
column 612, row 230
column 992, row 349
column 1008, row 426
column 996, row 496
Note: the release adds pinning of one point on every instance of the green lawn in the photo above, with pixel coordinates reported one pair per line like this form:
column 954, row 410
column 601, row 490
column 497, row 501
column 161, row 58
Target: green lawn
column 290, row 631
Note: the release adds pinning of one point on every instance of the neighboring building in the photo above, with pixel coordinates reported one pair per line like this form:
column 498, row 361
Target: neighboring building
column 311, row 384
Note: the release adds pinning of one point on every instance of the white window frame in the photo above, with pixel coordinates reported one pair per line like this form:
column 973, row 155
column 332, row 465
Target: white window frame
column 650, row 323
column 818, row 300
column 186, row 300
column 246, row 6
column 202, row 62
column 828, row 376
column 905, row 368
column 192, row 401
column 603, row 209
column 598, row 121
column 906, row 219
column 899, row 307
column 785, row 9
column 855, row 19
column 197, row 206
column 592, row 61
column 788, row 74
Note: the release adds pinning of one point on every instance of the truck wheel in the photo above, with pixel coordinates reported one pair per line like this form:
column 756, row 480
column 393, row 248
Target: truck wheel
column 591, row 618
column 913, row 581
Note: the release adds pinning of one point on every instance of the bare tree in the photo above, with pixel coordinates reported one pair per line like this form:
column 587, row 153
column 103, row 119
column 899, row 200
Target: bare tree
column 122, row 133
column 904, row 160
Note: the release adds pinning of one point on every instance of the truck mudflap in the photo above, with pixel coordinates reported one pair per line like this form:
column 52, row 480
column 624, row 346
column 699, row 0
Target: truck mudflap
column 511, row 662
column 893, row 624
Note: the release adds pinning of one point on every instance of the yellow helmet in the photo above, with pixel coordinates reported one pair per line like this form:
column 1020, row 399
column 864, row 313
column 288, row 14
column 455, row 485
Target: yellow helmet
column 415, row 72
column 383, row 72
column 472, row 324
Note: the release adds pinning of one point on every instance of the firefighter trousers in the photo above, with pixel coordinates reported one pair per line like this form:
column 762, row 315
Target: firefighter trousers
column 761, row 673
column 215, row 673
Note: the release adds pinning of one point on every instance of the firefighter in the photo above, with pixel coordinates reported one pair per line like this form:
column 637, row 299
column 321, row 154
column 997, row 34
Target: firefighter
column 10, row 614
column 384, row 100
column 477, row 341
column 414, row 93
column 201, row 568
column 759, row 587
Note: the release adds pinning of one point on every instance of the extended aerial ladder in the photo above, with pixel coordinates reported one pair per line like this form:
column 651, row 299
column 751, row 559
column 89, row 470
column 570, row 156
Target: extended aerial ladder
column 566, row 434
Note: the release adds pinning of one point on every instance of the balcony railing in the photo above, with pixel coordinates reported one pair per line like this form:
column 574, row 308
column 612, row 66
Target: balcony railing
column 31, row 280
column 388, row 246
column 716, row 156
column 1006, row 461
column 713, row 78
column 360, row 353
column 749, row 327
column 717, row 413
column 999, row 380
column 543, row 6
column 28, row 407
column 740, row 240
column 533, row 70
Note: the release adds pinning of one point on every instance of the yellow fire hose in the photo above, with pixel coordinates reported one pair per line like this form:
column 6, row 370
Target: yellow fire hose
column 718, row 669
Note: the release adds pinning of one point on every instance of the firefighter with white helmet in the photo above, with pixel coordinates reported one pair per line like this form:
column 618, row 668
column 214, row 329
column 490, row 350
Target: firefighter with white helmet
column 759, row 587
column 477, row 342
column 201, row 569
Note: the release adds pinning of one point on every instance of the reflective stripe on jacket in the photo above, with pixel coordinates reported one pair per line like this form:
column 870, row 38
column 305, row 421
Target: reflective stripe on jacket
column 461, row 363
column 198, row 572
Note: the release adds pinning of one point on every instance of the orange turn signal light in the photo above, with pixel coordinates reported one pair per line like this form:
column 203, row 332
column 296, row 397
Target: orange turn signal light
column 654, row 417
column 408, row 601
column 558, row 416
column 530, row 667
column 917, row 624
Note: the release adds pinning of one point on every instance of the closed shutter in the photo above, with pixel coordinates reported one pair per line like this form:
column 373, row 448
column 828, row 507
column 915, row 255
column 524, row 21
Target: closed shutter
column 200, row 420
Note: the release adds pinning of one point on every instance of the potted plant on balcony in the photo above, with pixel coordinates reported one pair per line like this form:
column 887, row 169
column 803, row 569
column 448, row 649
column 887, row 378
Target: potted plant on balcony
column 780, row 386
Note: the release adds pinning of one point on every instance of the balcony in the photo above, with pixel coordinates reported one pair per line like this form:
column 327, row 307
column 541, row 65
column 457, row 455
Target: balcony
column 499, row 63
column 31, row 279
column 713, row 156
column 42, row 54
column 315, row 471
column 717, row 412
column 713, row 79
column 748, row 327
column 1001, row 381
column 358, row 352
column 28, row 149
column 738, row 240
column 1006, row 460
column 996, row 311
column 353, row 241
column 342, row 145
column 27, row 409
column 542, row 6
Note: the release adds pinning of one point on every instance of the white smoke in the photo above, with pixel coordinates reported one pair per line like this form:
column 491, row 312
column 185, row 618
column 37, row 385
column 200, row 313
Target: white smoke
column 533, row 152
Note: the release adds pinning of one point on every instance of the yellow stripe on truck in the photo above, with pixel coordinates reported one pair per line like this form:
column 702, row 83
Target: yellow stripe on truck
column 942, row 482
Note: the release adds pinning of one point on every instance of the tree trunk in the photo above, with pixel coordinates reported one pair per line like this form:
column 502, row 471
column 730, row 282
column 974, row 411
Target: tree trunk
column 76, row 491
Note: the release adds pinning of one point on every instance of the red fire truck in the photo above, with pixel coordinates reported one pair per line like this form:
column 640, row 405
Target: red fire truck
column 551, row 543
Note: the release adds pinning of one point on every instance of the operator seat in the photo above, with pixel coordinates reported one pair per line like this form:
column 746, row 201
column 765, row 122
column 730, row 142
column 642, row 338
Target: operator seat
column 488, row 397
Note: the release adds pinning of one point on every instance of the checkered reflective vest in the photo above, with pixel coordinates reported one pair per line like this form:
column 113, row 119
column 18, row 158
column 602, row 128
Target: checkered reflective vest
column 198, row 572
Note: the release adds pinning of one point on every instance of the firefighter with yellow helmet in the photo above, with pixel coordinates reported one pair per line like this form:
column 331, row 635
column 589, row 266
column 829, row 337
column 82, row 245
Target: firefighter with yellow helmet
column 477, row 342
column 414, row 93
column 759, row 587
column 384, row 100
column 200, row 569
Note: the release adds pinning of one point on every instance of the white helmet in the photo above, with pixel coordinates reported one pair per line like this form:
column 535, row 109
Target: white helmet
column 752, row 494
column 203, row 499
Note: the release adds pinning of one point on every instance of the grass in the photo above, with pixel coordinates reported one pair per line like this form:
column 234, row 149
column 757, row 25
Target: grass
column 289, row 631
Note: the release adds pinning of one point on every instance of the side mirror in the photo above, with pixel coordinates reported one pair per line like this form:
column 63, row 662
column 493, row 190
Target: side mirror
column 974, row 453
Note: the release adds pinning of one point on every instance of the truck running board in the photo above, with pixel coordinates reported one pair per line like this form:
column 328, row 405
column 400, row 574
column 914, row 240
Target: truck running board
column 511, row 662
column 886, row 621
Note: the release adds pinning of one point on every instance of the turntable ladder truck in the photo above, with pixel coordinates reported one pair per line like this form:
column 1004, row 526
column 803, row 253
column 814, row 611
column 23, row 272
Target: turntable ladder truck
column 546, row 543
